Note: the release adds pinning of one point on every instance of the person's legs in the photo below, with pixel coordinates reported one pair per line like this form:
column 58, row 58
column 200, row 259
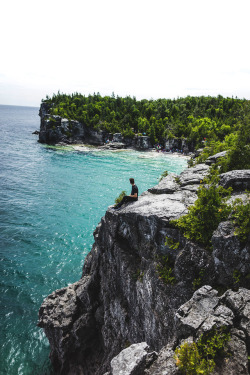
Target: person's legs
column 125, row 200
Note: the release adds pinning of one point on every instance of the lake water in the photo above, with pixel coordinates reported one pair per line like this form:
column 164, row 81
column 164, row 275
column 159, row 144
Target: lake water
column 51, row 200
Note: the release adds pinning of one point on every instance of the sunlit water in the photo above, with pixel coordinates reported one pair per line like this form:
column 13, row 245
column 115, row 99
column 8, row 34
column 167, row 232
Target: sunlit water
column 51, row 200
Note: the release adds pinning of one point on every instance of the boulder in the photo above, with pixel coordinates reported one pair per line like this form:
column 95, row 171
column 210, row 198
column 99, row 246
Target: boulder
column 167, row 185
column 143, row 142
column 214, row 158
column 194, row 175
column 239, row 180
column 133, row 360
column 229, row 255
column 117, row 137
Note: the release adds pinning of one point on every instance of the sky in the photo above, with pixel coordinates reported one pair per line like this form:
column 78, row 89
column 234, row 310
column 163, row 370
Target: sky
column 147, row 49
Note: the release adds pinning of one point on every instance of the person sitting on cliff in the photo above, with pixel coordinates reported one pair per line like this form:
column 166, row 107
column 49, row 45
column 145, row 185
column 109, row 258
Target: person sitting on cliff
column 129, row 198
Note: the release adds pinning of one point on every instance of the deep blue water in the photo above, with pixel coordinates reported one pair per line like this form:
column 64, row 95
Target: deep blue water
column 51, row 200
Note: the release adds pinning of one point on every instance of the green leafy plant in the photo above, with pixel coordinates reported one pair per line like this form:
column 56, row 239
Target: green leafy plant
column 177, row 180
column 138, row 275
column 165, row 271
column 198, row 281
column 241, row 219
column 236, row 278
column 164, row 174
column 201, row 357
column 207, row 212
column 171, row 243
column 119, row 199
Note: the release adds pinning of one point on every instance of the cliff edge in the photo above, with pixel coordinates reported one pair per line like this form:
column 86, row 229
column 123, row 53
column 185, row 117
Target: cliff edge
column 135, row 301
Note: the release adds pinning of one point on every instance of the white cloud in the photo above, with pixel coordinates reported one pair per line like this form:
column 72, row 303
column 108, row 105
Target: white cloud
column 157, row 48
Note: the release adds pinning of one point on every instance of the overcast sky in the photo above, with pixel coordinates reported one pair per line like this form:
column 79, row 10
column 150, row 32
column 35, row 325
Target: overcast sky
column 147, row 49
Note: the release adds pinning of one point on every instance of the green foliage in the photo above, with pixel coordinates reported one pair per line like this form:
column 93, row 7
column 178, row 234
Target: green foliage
column 236, row 278
column 172, row 244
column 192, row 118
column 119, row 198
column 198, row 281
column 138, row 275
column 241, row 219
column 207, row 212
column 164, row 174
column 165, row 271
column 177, row 180
column 201, row 357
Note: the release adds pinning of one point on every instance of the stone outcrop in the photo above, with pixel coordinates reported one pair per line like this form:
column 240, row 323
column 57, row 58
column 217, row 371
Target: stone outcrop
column 122, row 298
column 167, row 185
column 56, row 130
column 195, row 175
column 214, row 158
column 239, row 180
column 202, row 313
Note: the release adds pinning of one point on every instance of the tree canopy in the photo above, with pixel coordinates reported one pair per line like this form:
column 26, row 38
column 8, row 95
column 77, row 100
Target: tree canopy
column 204, row 119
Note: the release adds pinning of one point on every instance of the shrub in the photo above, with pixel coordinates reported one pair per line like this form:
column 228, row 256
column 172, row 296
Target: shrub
column 198, row 281
column 201, row 357
column 164, row 174
column 165, row 270
column 172, row 243
column 241, row 219
column 207, row 212
column 122, row 194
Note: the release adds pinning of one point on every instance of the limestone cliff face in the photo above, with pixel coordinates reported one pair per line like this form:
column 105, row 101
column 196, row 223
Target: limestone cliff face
column 121, row 298
column 55, row 129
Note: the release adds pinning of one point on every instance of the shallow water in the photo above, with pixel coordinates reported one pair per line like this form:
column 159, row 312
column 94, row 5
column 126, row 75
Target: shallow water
column 51, row 201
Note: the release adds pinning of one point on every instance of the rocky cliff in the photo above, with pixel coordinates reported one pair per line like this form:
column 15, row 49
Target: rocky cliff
column 55, row 129
column 123, row 304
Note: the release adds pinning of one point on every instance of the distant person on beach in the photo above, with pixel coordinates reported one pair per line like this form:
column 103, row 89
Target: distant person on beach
column 129, row 198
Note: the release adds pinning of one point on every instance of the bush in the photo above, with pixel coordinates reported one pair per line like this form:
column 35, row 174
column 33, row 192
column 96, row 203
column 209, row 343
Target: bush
column 165, row 270
column 122, row 194
column 241, row 219
column 207, row 212
column 201, row 357
column 164, row 174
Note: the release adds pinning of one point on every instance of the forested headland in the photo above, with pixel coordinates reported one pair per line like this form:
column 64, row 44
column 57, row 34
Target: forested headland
column 215, row 123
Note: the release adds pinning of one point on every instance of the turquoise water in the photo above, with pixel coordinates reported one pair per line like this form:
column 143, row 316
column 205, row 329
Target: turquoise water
column 51, row 201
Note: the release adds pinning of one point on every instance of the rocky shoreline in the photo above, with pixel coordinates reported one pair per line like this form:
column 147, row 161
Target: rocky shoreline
column 122, row 318
column 55, row 130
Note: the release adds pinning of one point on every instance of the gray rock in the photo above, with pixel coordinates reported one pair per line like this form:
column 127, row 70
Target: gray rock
column 54, row 130
column 167, row 185
column 194, row 175
column 229, row 255
column 238, row 179
column 165, row 363
column 117, row 137
column 214, row 158
column 237, row 360
column 143, row 142
column 130, row 361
